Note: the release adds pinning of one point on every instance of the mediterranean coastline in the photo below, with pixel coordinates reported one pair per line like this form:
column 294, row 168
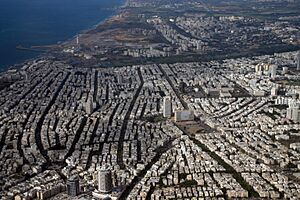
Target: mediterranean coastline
column 40, row 24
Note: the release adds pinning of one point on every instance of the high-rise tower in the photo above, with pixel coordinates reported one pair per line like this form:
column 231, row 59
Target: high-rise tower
column 167, row 106
column 104, row 180
column 73, row 188
column 298, row 60
column 77, row 40
column 293, row 111
column 89, row 105
column 273, row 70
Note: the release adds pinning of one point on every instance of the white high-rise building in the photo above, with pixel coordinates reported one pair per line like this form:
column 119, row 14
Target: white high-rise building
column 77, row 40
column 285, row 70
column 273, row 70
column 295, row 114
column 274, row 91
column 167, row 106
column 289, row 113
column 298, row 60
column 120, row 78
column 292, row 112
column 259, row 68
column 89, row 105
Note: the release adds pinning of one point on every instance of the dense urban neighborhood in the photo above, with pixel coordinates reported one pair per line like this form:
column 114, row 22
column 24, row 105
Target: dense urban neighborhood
column 206, row 107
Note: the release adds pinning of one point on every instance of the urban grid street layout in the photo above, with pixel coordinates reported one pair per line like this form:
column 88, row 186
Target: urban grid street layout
column 149, row 105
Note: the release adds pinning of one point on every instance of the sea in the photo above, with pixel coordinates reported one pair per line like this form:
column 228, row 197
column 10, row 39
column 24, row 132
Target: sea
column 45, row 22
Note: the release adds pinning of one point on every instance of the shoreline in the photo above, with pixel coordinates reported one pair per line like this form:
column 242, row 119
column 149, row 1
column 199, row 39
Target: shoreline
column 5, row 68
column 84, row 31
